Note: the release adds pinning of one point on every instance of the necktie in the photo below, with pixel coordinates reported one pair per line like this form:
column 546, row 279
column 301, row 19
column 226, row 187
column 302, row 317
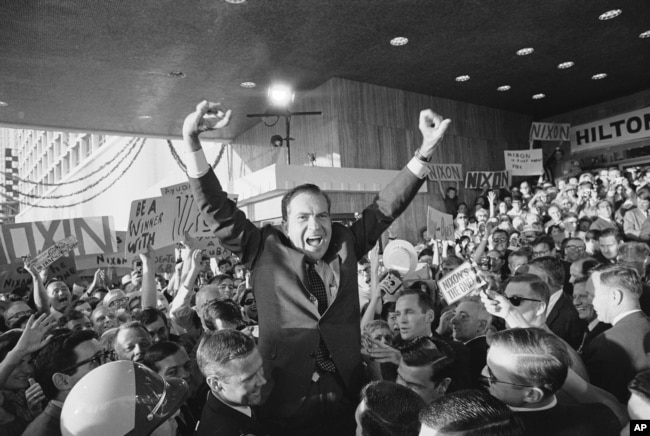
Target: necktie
column 324, row 362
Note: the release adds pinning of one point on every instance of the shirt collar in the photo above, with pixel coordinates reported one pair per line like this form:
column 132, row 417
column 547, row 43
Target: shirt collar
column 620, row 316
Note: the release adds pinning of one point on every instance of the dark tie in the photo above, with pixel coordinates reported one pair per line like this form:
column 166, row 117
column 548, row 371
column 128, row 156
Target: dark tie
column 324, row 362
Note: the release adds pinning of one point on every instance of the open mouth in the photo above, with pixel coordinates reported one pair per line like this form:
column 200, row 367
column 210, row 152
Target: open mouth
column 314, row 241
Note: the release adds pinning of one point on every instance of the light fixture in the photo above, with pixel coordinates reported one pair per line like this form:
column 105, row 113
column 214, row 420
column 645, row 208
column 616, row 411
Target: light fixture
column 645, row 34
column 609, row 14
column 235, row 2
column 4, row 104
column 525, row 51
column 538, row 96
column 280, row 96
column 463, row 78
column 145, row 117
column 177, row 74
column 565, row 65
column 276, row 141
column 598, row 76
column 399, row 40
column 503, row 88
column 248, row 85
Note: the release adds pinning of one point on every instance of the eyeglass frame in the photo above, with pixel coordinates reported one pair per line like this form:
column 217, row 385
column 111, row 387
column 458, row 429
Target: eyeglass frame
column 100, row 357
column 118, row 302
column 520, row 299
column 491, row 378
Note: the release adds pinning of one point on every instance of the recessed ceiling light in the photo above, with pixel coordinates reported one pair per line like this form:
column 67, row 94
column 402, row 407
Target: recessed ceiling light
column 610, row 14
column 525, row 51
column 565, row 65
column 645, row 34
column 399, row 40
column 598, row 76
column 503, row 88
column 177, row 74
column 247, row 85
column 145, row 117
column 235, row 2
column 538, row 96
column 4, row 104
column 463, row 78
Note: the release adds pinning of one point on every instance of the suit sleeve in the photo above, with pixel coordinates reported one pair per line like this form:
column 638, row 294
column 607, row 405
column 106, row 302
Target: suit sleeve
column 228, row 223
column 386, row 207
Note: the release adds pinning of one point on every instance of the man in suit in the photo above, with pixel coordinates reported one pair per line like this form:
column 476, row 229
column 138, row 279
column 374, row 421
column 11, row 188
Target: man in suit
column 615, row 356
column 582, row 301
column 561, row 317
column 232, row 367
column 58, row 366
column 635, row 218
column 305, row 281
column 469, row 326
column 525, row 369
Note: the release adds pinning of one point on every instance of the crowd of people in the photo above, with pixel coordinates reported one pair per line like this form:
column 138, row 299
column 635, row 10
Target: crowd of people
column 296, row 333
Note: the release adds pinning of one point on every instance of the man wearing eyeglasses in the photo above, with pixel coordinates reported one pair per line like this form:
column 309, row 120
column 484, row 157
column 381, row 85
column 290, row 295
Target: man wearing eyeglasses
column 58, row 366
column 525, row 368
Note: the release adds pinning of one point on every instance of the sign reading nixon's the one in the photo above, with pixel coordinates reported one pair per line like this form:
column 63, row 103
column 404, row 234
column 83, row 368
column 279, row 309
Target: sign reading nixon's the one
column 524, row 162
column 459, row 283
column 619, row 129
column 486, row 179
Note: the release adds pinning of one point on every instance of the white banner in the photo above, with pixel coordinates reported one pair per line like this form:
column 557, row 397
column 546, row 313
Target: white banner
column 524, row 162
column 615, row 130
column 459, row 283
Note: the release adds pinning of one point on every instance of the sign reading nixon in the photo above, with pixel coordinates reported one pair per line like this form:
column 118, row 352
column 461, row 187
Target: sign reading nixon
column 622, row 128
column 524, row 162
column 486, row 179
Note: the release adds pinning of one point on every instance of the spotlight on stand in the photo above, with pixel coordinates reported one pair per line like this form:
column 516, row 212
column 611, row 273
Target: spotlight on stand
column 279, row 98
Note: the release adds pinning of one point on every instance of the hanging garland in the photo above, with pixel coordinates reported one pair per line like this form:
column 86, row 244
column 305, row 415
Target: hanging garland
column 86, row 188
column 131, row 144
column 182, row 165
column 94, row 195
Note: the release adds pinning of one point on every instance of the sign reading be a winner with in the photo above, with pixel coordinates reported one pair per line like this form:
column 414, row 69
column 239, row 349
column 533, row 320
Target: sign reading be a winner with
column 459, row 283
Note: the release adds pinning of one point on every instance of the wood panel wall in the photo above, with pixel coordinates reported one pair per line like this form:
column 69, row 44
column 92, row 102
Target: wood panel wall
column 369, row 126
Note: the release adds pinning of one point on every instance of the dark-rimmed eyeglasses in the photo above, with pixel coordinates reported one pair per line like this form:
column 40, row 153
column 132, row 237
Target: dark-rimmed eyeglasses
column 516, row 300
column 491, row 379
column 118, row 302
column 247, row 302
column 97, row 359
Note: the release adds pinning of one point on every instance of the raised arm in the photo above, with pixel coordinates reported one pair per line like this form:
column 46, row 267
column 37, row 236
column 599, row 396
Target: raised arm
column 148, row 280
column 40, row 293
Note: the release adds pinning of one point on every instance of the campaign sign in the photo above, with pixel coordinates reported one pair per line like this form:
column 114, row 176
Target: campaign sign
column 150, row 224
column 94, row 235
column 524, row 162
column 549, row 132
column 486, row 179
column 106, row 260
column 49, row 256
column 211, row 247
column 446, row 172
column 440, row 225
column 458, row 283
column 14, row 276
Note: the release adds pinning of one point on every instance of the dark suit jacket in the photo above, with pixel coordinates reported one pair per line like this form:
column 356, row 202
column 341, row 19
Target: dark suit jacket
column 290, row 326
column 48, row 423
column 222, row 420
column 591, row 419
column 614, row 357
column 633, row 222
column 590, row 335
column 478, row 349
column 565, row 322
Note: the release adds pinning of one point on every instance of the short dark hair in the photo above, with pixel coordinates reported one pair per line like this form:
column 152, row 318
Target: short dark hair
column 542, row 357
column 640, row 384
column 216, row 349
column 553, row 268
column 225, row 310
column 424, row 300
column 131, row 325
column 391, row 410
column 304, row 188
column 537, row 285
column 159, row 351
column 610, row 232
column 151, row 315
column 57, row 355
column 432, row 352
column 471, row 411
column 544, row 239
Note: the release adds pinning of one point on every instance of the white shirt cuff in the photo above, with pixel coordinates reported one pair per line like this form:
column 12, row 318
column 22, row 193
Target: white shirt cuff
column 196, row 163
column 417, row 167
